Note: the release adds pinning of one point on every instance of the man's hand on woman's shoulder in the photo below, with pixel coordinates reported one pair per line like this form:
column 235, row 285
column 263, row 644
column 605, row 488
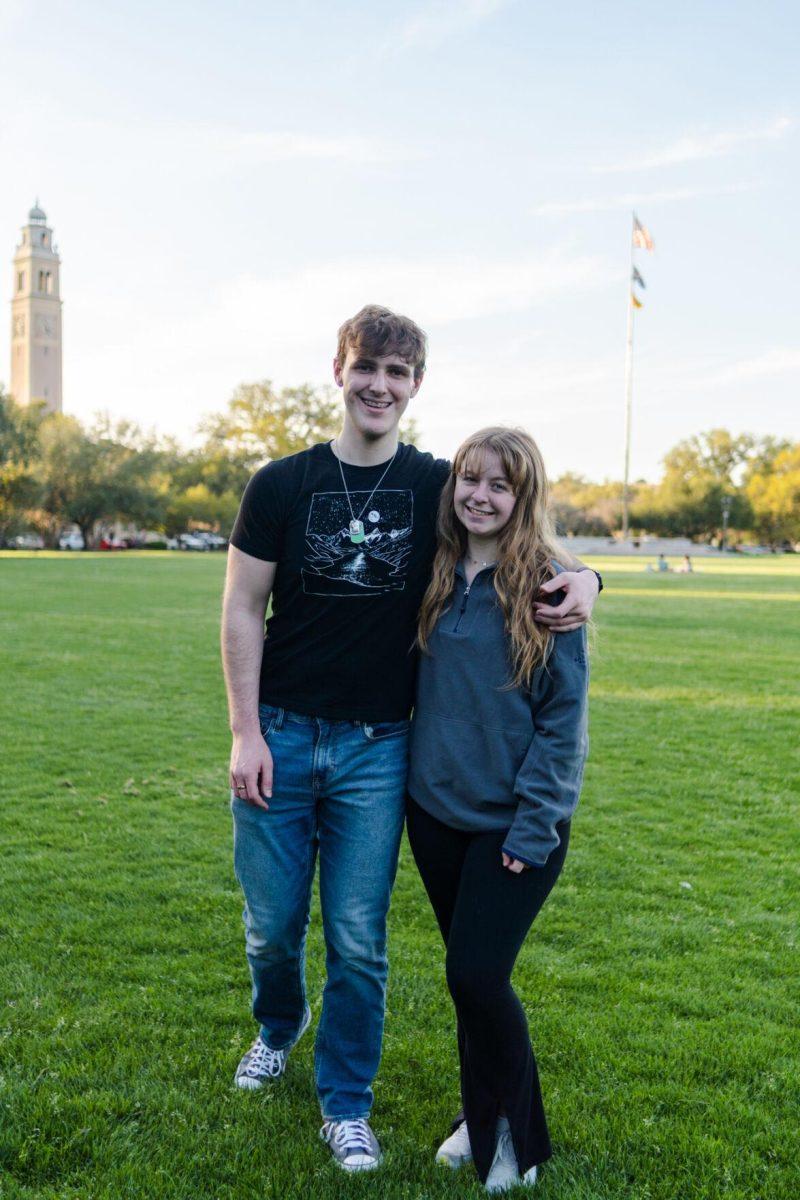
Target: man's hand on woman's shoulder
column 580, row 592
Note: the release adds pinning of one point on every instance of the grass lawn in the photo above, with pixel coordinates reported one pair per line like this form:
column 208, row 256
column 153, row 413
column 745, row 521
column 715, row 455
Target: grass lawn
column 660, row 979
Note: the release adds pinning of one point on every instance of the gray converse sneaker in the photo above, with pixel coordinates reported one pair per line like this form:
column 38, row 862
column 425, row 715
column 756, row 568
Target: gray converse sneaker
column 352, row 1143
column 504, row 1171
column 261, row 1063
column 455, row 1151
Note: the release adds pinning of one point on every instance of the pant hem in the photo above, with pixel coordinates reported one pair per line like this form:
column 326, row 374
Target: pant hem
column 360, row 1116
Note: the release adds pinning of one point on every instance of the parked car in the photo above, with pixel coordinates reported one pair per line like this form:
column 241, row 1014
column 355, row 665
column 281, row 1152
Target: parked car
column 71, row 541
column 213, row 540
column 111, row 542
column 192, row 541
column 27, row 541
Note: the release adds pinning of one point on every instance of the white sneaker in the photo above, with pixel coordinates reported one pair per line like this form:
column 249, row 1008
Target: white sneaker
column 353, row 1144
column 456, row 1150
column 504, row 1171
column 261, row 1063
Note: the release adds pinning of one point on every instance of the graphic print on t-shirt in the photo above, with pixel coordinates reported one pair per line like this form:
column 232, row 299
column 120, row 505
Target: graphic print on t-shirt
column 335, row 566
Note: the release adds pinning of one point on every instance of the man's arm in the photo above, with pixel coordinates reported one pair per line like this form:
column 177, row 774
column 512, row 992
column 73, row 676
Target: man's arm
column 581, row 588
column 248, row 585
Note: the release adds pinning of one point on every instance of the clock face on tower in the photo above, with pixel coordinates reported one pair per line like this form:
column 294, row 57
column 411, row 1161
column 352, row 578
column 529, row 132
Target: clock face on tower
column 45, row 327
column 19, row 327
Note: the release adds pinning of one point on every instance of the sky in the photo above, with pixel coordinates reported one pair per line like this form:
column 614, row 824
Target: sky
column 227, row 183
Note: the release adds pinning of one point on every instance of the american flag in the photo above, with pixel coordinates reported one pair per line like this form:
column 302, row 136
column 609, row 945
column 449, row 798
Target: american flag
column 641, row 236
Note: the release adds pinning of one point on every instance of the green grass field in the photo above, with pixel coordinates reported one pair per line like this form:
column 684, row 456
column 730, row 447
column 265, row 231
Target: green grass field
column 660, row 979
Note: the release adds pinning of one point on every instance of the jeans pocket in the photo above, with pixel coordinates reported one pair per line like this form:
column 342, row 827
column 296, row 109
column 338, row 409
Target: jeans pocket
column 267, row 716
column 380, row 730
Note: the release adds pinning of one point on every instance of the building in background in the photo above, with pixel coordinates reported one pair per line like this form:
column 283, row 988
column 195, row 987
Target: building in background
column 36, row 316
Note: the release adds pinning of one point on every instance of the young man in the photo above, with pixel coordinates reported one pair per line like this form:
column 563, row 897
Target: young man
column 341, row 536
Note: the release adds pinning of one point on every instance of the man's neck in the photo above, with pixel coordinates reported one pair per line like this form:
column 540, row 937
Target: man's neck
column 351, row 447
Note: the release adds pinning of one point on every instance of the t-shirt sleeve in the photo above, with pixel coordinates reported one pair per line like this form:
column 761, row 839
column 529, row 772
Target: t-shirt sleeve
column 260, row 523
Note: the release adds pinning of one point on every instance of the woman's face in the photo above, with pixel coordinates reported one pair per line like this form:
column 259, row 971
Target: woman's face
column 483, row 498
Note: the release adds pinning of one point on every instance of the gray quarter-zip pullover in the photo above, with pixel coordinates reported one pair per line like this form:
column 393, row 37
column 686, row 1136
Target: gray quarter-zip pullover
column 485, row 756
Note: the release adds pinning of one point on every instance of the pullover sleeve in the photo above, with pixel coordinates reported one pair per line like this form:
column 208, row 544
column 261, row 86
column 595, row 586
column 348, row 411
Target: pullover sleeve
column 548, row 783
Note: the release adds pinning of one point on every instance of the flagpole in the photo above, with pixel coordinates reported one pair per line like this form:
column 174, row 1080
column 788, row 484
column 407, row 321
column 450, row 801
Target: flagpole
column 628, row 394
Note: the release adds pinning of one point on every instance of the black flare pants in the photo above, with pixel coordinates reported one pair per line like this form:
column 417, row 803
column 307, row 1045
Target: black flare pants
column 484, row 913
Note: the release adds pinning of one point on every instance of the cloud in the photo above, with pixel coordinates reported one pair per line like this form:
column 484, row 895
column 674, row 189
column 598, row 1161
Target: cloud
column 441, row 20
column 780, row 360
column 12, row 13
column 697, row 147
column 284, row 328
column 636, row 200
column 257, row 147
column 223, row 147
column 435, row 291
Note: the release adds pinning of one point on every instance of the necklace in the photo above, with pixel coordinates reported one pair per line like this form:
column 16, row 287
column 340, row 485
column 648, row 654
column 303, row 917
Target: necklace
column 356, row 524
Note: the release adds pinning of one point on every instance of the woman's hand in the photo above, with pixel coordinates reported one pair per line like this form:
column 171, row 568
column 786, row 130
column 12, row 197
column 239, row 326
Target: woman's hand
column 514, row 864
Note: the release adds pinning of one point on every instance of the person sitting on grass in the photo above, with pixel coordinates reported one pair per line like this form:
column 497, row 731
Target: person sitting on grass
column 498, row 744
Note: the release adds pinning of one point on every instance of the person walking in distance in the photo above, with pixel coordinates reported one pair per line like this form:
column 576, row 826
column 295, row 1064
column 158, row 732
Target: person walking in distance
column 341, row 537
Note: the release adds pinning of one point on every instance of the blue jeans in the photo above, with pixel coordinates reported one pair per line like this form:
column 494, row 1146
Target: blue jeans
column 338, row 791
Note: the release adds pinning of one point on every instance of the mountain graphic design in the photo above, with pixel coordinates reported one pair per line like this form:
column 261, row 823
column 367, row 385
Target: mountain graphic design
column 335, row 566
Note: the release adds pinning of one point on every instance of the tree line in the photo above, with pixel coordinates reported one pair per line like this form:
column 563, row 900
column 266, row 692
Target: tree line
column 710, row 481
column 56, row 472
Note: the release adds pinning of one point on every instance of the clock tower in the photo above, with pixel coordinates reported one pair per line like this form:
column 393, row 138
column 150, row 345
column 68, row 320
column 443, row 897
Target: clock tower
column 36, row 316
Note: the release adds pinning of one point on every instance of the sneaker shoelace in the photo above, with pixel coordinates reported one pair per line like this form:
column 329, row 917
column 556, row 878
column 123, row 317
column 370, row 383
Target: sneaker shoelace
column 264, row 1061
column 354, row 1135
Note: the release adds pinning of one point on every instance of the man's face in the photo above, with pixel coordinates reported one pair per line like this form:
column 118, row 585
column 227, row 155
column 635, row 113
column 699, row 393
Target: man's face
column 377, row 390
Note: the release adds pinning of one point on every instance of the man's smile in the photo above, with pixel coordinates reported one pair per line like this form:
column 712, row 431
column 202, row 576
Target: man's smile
column 378, row 405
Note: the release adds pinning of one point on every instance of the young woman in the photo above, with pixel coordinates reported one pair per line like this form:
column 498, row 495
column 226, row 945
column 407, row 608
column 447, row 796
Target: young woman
column 497, row 752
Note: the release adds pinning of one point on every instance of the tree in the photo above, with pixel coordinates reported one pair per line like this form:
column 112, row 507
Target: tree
column 698, row 473
column 103, row 474
column 585, row 508
column 260, row 425
column 19, row 436
column 774, row 493
column 197, row 506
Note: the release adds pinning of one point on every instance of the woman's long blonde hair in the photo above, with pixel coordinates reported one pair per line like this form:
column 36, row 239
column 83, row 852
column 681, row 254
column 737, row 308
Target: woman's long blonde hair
column 526, row 546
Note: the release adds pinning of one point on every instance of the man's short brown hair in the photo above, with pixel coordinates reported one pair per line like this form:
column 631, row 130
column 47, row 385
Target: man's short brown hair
column 377, row 330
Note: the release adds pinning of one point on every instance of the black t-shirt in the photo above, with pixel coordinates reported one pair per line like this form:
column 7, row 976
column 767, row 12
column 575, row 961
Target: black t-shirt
column 339, row 641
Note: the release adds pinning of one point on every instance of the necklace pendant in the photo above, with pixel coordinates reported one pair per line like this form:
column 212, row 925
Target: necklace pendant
column 357, row 531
